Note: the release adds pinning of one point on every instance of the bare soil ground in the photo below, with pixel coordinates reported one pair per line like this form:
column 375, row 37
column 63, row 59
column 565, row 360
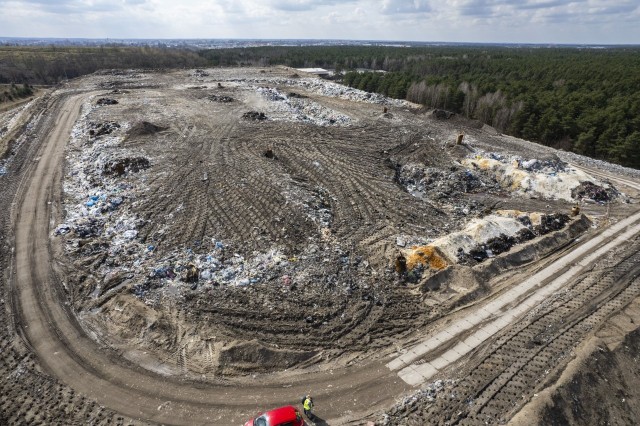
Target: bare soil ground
column 290, row 222
column 599, row 386
column 227, row 226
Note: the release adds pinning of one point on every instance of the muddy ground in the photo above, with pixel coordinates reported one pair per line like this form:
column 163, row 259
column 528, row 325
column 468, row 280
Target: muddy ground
column 242, row 221
column 232, row 223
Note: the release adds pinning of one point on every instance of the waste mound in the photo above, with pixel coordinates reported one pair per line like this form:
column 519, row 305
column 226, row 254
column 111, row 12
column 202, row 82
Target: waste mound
column 254, row 115
column 300, row 108
column 106, row 101
column 483, row 238
column 200, row 73
column 144, row 128
column 434, row 182
column 549, row 178
column 99, row 129
column 592, row 191
column 121, row 166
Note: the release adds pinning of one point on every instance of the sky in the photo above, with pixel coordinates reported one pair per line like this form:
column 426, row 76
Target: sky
column 479, row 21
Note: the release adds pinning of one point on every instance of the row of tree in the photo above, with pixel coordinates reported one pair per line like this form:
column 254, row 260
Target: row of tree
column 49, row 65
column 580, row 99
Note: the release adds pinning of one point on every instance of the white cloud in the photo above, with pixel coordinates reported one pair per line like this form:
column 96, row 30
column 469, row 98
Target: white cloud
column 405, row 6
column 546, row 21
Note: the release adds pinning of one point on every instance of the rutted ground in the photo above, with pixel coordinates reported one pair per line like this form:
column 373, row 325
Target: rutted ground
column 237, row 222
column 242, row 221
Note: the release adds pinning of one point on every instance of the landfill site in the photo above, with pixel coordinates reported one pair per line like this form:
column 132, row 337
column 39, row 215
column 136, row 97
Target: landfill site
column 199, row 246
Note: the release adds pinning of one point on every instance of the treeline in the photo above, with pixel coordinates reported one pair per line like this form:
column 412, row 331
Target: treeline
column 578, row 99
column 14, row 92
column 38, row 65
column 334, row 57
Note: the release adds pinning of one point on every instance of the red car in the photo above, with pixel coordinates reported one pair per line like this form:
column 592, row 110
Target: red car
column 283, row 416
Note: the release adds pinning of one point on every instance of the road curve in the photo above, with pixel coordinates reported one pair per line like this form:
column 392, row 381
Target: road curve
column 67, row 353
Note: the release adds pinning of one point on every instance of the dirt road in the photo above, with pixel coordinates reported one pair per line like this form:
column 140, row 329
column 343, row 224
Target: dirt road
column 67, row 352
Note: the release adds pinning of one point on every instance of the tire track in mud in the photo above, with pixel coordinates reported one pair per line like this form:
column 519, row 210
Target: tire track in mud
column 97, row 372
column 192, row 196
column 294, row 160
column 374, row 198
column 237, row 156
column 502, row 377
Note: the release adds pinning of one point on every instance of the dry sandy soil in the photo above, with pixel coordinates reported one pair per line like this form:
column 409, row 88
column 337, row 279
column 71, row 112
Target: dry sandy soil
column 248, row 235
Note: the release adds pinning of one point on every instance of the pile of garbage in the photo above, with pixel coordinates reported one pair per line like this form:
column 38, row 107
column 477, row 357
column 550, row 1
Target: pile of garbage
column 8, row 122
column 121, row 166
column 106, row 101
column 200, row 73
column 105, row 184
column 594, row 192
column 254, row 115
column 550, row 179
column 434, row 183
column 314, row 201
column 300, row 109
column 428, row 393
column 482, row 238
column 100, row 129
column 442, row 114
column 326, row 88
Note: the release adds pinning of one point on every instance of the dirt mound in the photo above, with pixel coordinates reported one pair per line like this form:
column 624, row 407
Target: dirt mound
column 253, row 356
column 144, row 128
column 602, row 392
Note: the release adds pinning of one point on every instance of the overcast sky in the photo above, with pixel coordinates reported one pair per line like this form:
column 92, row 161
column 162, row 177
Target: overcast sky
column 533, row 21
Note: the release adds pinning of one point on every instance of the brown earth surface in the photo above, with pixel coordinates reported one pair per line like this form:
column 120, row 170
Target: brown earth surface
column 178, row 260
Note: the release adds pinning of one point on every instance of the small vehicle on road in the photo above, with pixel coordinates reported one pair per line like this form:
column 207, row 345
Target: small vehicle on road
column 283, row 416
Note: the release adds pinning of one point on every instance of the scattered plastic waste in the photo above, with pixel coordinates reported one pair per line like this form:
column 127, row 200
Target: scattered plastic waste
column 297, row 108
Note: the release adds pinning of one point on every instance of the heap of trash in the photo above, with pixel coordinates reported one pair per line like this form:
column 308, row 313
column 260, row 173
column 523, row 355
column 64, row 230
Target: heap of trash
column 430, row 393
column 550, row 179
column 482, row 238
column 433, row 183
column 325, row 88
column 296, row 108
column 106, row 182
